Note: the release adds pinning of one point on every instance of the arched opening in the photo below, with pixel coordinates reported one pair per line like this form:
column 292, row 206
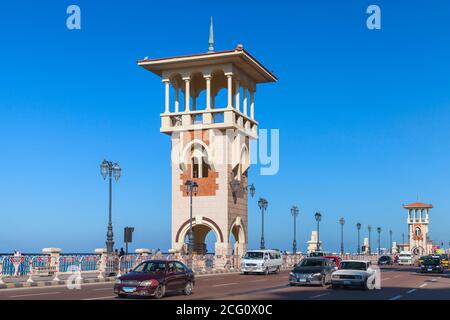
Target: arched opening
column 219, row 91
column 205, row 236
column 198, row 91
column 199, row 162
column 237, row 239
column 177, row 92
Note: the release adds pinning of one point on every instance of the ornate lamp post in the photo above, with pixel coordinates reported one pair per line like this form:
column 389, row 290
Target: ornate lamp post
column 358, row 227
column 191, row 188
column 294, row 212
column 342, row 222
column 318, row 217
column 108, row 169
column 379, row 242
column 262, row 203
column 403, row 240
column 369, row 228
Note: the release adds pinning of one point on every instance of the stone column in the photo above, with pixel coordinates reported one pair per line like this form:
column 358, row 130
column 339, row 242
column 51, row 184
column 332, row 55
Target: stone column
column 208, row 92
column 167, row 96
column 187, row 94
column 54, row 254
column 230, row 90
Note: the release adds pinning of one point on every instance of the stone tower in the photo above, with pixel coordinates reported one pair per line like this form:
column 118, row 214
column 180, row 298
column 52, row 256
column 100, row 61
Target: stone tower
column 418, row 221
column 209, row 114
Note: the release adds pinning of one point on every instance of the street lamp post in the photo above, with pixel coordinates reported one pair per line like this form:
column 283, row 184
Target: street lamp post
column 379, row 242
column 318, row 217
column 403, row 240
column 191, row 188
column 262, row 203
column 390, row 241
column 369, row 250
column 342, row 222
column 358, row 227
column 294, row 212
column 108, row 169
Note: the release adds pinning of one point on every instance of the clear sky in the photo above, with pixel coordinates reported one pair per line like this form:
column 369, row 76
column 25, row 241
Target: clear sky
column 363, row 116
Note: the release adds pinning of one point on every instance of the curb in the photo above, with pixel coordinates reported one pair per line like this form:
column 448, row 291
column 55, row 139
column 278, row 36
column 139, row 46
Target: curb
column 15, row 285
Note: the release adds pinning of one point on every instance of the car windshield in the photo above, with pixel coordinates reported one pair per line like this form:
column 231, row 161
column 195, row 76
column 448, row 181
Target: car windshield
column 353, row 265
column 151, row 267
column 384, row 258
column 405, row 255
column 311, row 263
column 431, row 261
column 254, row 255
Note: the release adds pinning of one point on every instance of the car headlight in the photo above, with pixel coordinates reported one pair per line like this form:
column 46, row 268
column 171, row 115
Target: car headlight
column 316, row 275
column 335, row 276
column 149, row 283
column 291, row 274
column 118, row 281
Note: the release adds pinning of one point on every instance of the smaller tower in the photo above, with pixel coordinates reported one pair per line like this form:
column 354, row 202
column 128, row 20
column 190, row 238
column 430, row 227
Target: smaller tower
column 418, row 220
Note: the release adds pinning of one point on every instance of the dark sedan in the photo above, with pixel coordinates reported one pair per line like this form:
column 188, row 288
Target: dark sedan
column 155, row 278
column 312, row 271
column 385, row 260
column 431, row 265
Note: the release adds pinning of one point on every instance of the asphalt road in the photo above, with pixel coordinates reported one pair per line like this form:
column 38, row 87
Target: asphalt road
column 397, row 283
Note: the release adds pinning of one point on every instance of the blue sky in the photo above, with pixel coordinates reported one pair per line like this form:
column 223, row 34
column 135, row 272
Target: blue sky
column 363, row 116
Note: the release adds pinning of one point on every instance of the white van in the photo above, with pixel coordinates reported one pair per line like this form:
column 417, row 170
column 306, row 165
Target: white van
column 405, row 258
column 261, row 261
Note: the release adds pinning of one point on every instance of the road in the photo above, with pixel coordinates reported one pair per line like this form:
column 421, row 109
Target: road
column 398, row 283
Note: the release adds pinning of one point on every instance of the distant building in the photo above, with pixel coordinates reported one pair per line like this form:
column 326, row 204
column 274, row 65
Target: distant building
column 418, row 222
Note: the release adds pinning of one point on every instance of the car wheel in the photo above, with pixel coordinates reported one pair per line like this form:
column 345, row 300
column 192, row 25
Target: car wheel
column 366, row 284
column 188, row 289
column 160, row 291
column 334, row 286
column 292, row 284
column 121, row 295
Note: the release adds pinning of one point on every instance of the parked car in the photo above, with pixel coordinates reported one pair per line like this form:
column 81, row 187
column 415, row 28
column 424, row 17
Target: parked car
column 431, row 264
column 312, row 271
column 336, row 260
column 155, row 278
column 352, row 273
column 385, row 260
column 444, row 260
column 405, row 258
column 261, row 261
column 422, row 259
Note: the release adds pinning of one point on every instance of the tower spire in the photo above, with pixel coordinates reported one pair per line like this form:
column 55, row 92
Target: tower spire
column 211, row 37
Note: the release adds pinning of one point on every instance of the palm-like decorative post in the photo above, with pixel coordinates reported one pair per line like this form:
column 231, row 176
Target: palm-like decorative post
column 294, row 212
column 262, row 203
column 358, row 227
column 108, row 169
column 369, row 228
column 379, row 242
column 342, row 222
column 318, row 217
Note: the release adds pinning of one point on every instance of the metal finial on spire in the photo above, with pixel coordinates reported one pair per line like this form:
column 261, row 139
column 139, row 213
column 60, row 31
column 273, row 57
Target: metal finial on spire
column 211, row 37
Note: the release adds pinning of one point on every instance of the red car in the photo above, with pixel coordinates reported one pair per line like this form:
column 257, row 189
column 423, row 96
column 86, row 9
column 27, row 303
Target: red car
column 335, row 259
column 155, row 278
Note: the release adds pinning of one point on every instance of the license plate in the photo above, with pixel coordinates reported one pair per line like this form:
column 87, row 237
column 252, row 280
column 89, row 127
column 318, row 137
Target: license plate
column 302, row 280
column 347, row 282
column 429, row 269
column 128, row 289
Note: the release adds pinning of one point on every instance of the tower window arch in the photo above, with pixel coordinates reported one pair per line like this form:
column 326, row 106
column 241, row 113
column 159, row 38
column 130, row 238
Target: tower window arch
column 199, row 162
